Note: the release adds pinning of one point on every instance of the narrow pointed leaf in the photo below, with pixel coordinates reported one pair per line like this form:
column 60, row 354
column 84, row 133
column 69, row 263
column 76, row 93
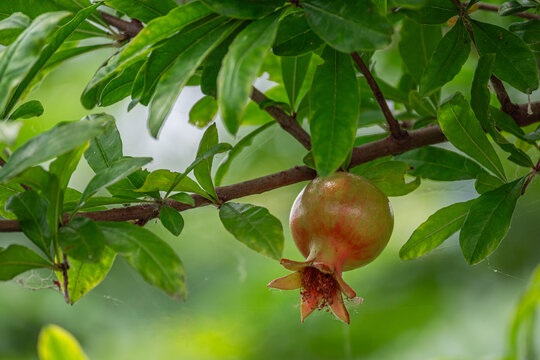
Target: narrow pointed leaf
column 203, row 171
column 294, row 70
column 143, row 10
column 17, row 259
column 31, row 211
column 335, row 103
column 153, row 258
column 486, row 182
column 435, row 230
column 389, row 176
column 29, row 109
column 447, row 60
column 240, row 9
column 255, row 227
column 514, row 62
column 12, row 26
column 439, row 164
column 460, row 126
column 171, row 219
column 294, row 36
column 348, row 26
column 120, row 87
column 57, row 141
column 7, row 191
column 82, row 240
column 488, row 221
column 241, row 66
column 183, row 198
column 431, row 11
column 161, row 180
column 480, row 96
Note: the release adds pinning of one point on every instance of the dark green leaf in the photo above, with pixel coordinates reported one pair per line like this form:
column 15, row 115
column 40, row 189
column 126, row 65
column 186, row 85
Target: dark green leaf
column 143, row 10
column 97, row 202
column 294, row 36
column 183, row 198
column 29, row 109
column 104, row 149
column 236, row 150
column 506, row 123
column 12, row 26
column 34, row 177
column 447, row 60
column 120, row 86
column 203, row 171
column 517, row 156
column 529, row 32
column 161, row 180
column 31, row 211
column 486, row 182
column 17, row 259
column 514, row 63
column 82, row 240
column 512, row 7
column 361, row 140
column 348, row 26
column 163, row 27
column 417, row 45
column 294, row 70
column 488, row 221
column 57, row 141
column 83, row 277
column 389, row 176
column 240, row 68
column 432, row 11
column 335, row 103
column 533, row 136
column 7, row 191
column 437, row 228
column 460, row 126
column 43, row 55
column 422, row 105
column 186, row 52
column 480, row 96
column 255, row 227
column 70, row 52
column 243, row 9
column 203, row 112
column 171, row 219
column 153, row 258
column 118, row 170
column 439, row 164
column 18, row 58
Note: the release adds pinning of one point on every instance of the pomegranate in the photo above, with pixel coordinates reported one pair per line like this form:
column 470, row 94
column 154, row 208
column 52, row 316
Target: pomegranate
column 339, row 223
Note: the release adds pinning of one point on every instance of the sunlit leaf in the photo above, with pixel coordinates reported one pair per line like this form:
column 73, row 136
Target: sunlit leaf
column 55, row 343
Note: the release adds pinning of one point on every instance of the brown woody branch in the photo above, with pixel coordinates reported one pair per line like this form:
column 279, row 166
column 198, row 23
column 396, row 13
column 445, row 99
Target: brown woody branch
column 129, row 28
column 396, row 130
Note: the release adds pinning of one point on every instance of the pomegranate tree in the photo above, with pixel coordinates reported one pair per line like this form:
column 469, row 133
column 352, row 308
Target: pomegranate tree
column 339, row 223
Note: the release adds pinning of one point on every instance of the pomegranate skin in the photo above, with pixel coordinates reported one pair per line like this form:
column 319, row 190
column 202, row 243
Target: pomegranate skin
column 339, row 223
column 342, row 220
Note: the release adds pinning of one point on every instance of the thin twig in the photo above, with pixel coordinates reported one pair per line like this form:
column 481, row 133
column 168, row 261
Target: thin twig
column 65, row 268
column 396, row 131
column 288, row 123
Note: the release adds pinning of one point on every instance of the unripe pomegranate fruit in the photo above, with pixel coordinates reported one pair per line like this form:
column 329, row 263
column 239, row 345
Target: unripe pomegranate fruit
column 339, row 223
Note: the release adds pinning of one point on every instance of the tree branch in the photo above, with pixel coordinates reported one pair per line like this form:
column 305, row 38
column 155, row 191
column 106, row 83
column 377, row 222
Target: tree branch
column 287, row 123
column 130, row 29
column 495, row 8
column 396, row 131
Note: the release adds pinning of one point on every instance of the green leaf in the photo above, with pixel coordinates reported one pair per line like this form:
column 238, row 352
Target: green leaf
column 488, row 221
column 34, row 177
column 335, row 102
column 534, row 135
column 82, row 240
column 294, row 70
column 447, row 60
column 118, row 170
column 255, row 227
column 512, row 7
column 18, row 58
column 514, row 63
column 171, row 219
column 84, row 276
column 40, row 59
column 417, row 44
column 240, row 68
column 480, row 96
column 57, row 141
column 104, row 149
column 120, row 86
column 294, row 36
column 460, row 126
column 506, row 123
column 17, row 259
column 12, row 26
column 161, row 180
column 529, row 32
column 236, row 150
column 97, row 202
column 243, row 9
column 183, row 198
column 437, row 228
column 203, row 112
column 143, row 10
column 55, row 343
column 31, row 211
column 29, row 109
column 203, row 171
column 162, row 27
column 432, row 11
column 186, row 52
column 435, row 163
column 517, row 156
column 348, row 26
column 63, row 54
column 7, row 191
column 389, row 176
column 153, row 258
column 421, row 104
column 486, row 182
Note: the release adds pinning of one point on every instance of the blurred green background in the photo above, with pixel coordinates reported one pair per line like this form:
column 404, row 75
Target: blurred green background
column 435, row 307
